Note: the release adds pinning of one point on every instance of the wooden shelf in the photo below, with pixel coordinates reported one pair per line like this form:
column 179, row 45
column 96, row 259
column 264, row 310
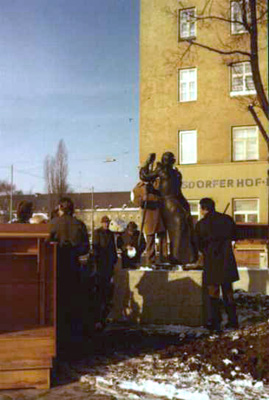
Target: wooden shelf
column 19, row 254
column 27, row 306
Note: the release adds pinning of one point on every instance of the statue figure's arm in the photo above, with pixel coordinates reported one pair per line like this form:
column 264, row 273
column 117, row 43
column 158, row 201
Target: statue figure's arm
column 179, row 176
column 146, row 173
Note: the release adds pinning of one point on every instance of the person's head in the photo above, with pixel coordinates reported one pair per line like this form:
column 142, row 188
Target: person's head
column 66, row 206
column 131, row 227
column 24, row 211
column 168, row 158
column 207, row 205
column 105, row 221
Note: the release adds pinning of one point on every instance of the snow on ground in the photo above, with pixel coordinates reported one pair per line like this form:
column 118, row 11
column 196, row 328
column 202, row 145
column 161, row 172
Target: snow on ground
column 173, row 373
column 178, row 383
column 233, row 366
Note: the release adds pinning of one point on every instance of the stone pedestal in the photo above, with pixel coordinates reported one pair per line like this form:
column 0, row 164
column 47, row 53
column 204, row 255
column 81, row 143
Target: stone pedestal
column 159, row 297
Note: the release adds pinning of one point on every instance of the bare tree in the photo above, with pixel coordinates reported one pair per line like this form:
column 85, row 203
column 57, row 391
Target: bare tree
column 5, row 191
column 5, row 188
column 249, row 18
column 56, row 171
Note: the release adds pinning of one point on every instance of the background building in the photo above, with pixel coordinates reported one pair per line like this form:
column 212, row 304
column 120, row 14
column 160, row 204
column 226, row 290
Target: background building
column 194, row 103
column 89, row 207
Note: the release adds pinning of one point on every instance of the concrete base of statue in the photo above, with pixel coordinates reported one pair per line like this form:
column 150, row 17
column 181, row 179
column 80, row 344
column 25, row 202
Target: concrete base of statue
column 171, row 297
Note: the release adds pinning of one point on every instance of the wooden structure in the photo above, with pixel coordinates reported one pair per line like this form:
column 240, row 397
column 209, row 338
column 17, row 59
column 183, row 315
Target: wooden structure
column 251, row 247
column 27, row 306
column 252, row 231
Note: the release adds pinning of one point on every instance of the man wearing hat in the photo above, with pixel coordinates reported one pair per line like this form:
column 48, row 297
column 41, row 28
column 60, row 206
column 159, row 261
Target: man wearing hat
column 105, row 255
column 132, row 246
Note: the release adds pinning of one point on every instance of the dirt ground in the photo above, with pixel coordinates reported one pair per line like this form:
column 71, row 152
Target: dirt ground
column 134, row 350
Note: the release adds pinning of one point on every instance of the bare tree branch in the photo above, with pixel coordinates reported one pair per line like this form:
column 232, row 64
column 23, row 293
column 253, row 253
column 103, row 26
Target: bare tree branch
column 185, row 52
column 258, row 122
column 215, row 17
column 254, row 59
column 252, row 15
column 218, row 51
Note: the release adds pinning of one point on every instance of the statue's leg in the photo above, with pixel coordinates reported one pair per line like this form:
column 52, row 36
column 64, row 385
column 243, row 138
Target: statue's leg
column 162, row 246
column 150, row 249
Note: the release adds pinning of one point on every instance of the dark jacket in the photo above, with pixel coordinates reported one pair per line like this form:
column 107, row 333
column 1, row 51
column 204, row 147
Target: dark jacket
column 214, row 234
column 104, row 250
column 70, row 231
column 72, row 238
column 127, row 239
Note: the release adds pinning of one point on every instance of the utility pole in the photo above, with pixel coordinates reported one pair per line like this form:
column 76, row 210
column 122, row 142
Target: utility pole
column 11, row 193
column 92, row 208
column 267, row 241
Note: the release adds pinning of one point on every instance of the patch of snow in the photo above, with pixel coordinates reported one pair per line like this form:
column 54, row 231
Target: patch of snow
column 227, row 361
column 163, row 389
column 234, row 351
column 258, row 385
column 246, row 383
column 180, row 330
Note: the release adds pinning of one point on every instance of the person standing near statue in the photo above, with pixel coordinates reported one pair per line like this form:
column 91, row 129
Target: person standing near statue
column 72, row 237
column 24, row 212
column 105, row 255
column 175, row 209
column 214, row 233
column 132, row 245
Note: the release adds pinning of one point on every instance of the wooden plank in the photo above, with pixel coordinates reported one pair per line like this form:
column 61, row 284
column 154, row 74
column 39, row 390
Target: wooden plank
column 32, row 378
column 34, row 332
column 15, row 245
column 17, row 269
column 18, row 305
column 24, row 230
column 27, row 349
column 26, row 363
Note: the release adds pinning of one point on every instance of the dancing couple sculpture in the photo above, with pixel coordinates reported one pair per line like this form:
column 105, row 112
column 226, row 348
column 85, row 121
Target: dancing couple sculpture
column 175, row 210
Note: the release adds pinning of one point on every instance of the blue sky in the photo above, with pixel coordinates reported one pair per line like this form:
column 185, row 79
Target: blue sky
column 69, row 69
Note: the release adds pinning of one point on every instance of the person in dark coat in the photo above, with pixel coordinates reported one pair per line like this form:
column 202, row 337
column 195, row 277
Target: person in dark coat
column 214, row 233
column 131, row 246
column 105, row 255
column 175, row 209
column 72, row 237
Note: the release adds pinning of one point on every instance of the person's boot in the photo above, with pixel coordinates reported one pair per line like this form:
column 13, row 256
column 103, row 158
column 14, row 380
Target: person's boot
column 215, row 315
column 230, row 309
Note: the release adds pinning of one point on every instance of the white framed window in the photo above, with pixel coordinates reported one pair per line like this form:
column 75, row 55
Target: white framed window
column 245, row 143
column 188, row 147
column 187, row 23
column 246, row 210
column 195, row 210
column 187, row 84
column 237, row 15
column 241, row 79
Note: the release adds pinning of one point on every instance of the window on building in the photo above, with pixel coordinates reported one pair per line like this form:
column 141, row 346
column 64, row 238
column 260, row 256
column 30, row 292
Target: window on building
column 237, row 15
column 245, row 143
column 195, row 210
column 246, row 210
column 188, row 147
column 241, row 79
column 187, row 24
column 187, row 84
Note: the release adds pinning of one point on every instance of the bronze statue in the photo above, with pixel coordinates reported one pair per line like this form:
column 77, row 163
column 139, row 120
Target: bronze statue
column 174, row 207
